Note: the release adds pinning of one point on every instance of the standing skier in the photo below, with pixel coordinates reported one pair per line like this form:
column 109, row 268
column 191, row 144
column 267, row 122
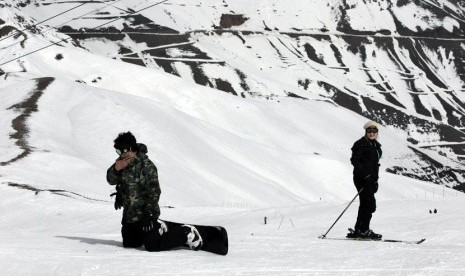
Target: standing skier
column 366, row 153
column 138, row 193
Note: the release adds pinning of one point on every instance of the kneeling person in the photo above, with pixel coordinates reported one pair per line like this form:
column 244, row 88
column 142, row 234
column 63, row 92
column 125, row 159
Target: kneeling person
column 138, row 193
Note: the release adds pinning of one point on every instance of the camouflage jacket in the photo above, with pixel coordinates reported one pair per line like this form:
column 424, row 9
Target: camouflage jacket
column 139, row 187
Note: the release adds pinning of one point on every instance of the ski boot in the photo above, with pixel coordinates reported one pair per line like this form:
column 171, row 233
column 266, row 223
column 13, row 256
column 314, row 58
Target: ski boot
column 353, row 234
column 370, row 235
column 194, row 240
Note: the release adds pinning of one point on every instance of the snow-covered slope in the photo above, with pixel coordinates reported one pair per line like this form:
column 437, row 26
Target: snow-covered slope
column 222, row 159
column 216, row 148
column 398, row 62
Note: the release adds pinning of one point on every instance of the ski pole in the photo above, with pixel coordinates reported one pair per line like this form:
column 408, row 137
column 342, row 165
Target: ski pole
column 324, row 235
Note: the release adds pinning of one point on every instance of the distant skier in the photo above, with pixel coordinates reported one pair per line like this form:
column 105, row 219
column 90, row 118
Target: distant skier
column 366, row 153
column 138, row 192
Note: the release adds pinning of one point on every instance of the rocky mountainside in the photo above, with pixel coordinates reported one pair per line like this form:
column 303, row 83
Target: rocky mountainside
column 400, row 63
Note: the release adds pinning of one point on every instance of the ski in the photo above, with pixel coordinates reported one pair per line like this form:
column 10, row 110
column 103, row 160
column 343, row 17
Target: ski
column 382, row 240
column 407, row 242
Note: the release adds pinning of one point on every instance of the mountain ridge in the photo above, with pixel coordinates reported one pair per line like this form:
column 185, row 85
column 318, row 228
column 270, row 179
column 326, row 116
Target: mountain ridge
column 413, row 84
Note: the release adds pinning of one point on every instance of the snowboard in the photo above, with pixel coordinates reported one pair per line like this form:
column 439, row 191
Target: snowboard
column 215, row 238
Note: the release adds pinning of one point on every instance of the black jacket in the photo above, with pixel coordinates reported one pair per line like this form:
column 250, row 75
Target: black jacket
column 365, row 158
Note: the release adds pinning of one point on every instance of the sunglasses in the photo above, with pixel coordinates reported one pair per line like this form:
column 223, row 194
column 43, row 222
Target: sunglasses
column 372, row 130
column 119, row 152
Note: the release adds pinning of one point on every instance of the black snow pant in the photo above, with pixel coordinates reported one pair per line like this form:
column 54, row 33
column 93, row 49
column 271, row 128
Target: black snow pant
column 367, row 204
column 133, row 236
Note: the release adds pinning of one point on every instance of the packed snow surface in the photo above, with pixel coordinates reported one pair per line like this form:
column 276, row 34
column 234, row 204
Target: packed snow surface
column 222, row 160
column 46, row 234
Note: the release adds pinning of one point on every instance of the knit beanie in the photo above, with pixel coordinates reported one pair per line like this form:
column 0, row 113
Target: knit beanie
column 370, row 124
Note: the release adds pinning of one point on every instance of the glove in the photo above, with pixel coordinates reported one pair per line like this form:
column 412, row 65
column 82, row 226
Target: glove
column 148, row 223
column 163, row 227
column 118, row 198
